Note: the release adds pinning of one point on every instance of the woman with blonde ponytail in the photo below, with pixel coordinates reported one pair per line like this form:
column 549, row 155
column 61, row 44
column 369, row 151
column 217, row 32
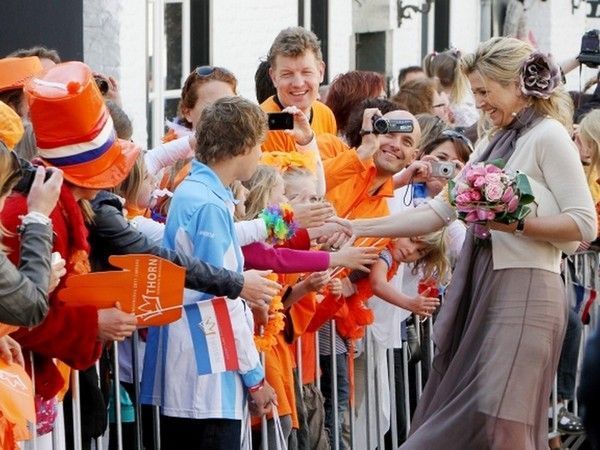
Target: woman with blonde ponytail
column 498, row 334
column 445, row 67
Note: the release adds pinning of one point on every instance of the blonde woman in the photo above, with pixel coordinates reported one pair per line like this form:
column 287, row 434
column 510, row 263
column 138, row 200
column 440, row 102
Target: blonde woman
column 499, row 331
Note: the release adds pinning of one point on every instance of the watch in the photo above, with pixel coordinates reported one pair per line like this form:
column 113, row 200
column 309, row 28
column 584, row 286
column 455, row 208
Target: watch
column 520, row 227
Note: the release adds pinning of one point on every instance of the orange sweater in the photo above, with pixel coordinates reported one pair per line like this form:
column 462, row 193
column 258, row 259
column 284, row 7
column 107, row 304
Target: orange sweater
column 322, row 121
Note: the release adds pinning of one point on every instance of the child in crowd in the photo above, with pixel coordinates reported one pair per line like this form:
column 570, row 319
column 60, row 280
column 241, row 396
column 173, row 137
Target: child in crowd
column 208, row 404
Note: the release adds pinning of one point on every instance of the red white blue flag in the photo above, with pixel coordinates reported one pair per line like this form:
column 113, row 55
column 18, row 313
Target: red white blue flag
column 213, row 336
column 584, row 299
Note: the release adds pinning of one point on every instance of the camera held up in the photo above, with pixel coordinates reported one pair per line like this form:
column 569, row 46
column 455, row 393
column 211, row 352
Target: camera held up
column 382, row 125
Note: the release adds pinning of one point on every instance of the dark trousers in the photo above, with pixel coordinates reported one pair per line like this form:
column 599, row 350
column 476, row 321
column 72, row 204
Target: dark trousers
column 213, row 434
column 567, row 365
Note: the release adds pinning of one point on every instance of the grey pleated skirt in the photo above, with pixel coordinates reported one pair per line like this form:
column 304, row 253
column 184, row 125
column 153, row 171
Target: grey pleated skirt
column 499, row 336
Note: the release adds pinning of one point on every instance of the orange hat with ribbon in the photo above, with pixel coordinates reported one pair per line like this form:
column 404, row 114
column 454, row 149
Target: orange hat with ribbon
column 14, row 72
column 74, row 130
column 11, row 126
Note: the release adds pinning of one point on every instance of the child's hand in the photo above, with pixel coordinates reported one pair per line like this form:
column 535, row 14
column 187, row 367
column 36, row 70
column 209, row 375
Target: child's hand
column 335, row 287
column 261, row 314
column 424, row 306
column 317, row 281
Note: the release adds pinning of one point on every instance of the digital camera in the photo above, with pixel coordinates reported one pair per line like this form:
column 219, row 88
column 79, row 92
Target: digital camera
column 443, row 169
column 590, row 49
column 385, row 126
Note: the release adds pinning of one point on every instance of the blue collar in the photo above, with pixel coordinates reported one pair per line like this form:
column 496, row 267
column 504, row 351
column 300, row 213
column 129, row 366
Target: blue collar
column 201, row 173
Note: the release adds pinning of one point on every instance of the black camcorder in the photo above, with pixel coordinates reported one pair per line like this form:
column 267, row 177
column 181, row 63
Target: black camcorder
column 385, row 126
column 590, row 49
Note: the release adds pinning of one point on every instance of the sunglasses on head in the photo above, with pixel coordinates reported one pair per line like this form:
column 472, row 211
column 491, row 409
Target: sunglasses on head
column 207, row 71
column 452, row 134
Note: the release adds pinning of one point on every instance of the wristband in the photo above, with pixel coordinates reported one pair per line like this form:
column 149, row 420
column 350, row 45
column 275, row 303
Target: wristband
column 257, row 387
column 520, row 228
column 35, row 217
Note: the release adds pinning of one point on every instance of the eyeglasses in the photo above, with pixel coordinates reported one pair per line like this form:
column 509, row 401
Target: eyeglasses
column 207, row 71
column 452, row 134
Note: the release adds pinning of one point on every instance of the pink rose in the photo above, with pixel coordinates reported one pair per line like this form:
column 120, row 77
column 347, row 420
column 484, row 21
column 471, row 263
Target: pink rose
column 471, row 217
column 465, row 197
column 513, row 204
column 490, row 168
column 479, row 181
column 493, row 178
column 493, row 192
column 477, row 170
column 475, row 196
column 508, row 194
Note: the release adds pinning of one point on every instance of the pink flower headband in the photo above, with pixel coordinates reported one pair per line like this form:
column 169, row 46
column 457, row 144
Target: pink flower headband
column 539, row 76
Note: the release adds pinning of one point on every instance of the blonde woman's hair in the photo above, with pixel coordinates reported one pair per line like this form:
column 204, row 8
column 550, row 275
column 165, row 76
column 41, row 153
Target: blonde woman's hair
column 589, row 133
column 260, row 186
column 434, row 263
column 500, row 59
column 293, row 173
column 445, row 67
column 130, row 187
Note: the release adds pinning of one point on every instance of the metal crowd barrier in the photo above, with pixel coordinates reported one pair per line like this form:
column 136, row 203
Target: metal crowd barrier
column 582, row 268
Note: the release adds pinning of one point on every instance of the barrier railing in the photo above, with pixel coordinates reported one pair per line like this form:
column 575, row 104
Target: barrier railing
column 380, row 379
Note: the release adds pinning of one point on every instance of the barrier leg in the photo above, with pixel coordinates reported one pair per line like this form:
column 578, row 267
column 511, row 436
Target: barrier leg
column 75, row 398
column 117, row 387
column 135, row 369
column 334, row 390
column 264, row 445
column 393, row 412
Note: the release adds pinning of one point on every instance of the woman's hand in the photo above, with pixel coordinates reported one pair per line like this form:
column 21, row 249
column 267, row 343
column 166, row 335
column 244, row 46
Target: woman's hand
column 57, row 271
column 43, row 196
column 261, row 314
column 258, row 290
column 10, row 351
column 261, row 400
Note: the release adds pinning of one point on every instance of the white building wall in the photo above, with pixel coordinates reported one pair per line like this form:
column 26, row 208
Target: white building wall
column 341, row 42
column 465, row 24
column 241, row 35
column 115, row 44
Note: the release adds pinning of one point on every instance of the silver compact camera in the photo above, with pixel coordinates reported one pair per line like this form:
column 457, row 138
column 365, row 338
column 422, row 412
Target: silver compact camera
column 443, row 169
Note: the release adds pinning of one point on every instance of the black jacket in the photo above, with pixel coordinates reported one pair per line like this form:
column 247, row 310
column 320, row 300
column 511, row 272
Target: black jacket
column 112, row 234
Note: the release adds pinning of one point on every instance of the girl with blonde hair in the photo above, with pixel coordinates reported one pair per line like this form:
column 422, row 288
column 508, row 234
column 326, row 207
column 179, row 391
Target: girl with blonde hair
column 499, row 332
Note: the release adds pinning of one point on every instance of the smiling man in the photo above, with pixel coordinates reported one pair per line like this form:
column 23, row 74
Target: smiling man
column 359, row 179
column 297, row 69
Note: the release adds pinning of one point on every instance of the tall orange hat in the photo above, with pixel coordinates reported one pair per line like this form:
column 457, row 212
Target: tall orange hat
column 74, row 130
column 14, row 72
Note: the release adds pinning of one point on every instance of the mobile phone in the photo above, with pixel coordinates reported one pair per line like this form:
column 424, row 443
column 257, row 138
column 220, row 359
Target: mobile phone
column 281, row 121
column 444, row 169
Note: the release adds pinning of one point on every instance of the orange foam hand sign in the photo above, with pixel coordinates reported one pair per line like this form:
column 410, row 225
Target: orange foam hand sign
column 16, row 400
column 149, row 286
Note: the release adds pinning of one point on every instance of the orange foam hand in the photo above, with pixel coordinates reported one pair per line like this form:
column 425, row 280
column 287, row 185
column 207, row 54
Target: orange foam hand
column 149, row 286
column 16, row 399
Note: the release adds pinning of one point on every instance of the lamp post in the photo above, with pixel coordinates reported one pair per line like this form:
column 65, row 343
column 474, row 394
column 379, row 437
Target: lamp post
column 406, row 11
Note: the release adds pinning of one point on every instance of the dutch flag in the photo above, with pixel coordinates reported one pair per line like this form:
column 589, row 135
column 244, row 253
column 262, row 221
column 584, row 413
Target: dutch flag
column 584, row 299
column 213, row 336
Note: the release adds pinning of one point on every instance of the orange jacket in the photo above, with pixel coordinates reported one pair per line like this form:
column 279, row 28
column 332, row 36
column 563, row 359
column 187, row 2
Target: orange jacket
column 322, row 121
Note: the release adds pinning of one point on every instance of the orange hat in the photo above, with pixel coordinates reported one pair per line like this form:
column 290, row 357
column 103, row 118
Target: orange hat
column 14, row 72
column 74, row 130
column 11, row 126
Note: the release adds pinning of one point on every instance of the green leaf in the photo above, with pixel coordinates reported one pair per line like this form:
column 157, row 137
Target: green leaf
column 524, row 188
column 498, row 163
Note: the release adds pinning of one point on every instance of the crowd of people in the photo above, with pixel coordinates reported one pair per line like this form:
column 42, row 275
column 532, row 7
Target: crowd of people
column 301, row 243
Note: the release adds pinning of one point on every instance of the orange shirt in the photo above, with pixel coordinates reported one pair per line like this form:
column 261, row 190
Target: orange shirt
column 322, row 121
column 348, row 183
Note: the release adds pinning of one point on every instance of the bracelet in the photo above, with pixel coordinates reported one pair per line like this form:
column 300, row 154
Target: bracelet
column 35, row 217
column 520, row 228
column 363, row 132
column 257, row 387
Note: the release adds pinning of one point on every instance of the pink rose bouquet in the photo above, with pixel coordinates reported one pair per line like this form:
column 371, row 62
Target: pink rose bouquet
column 487, row 192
